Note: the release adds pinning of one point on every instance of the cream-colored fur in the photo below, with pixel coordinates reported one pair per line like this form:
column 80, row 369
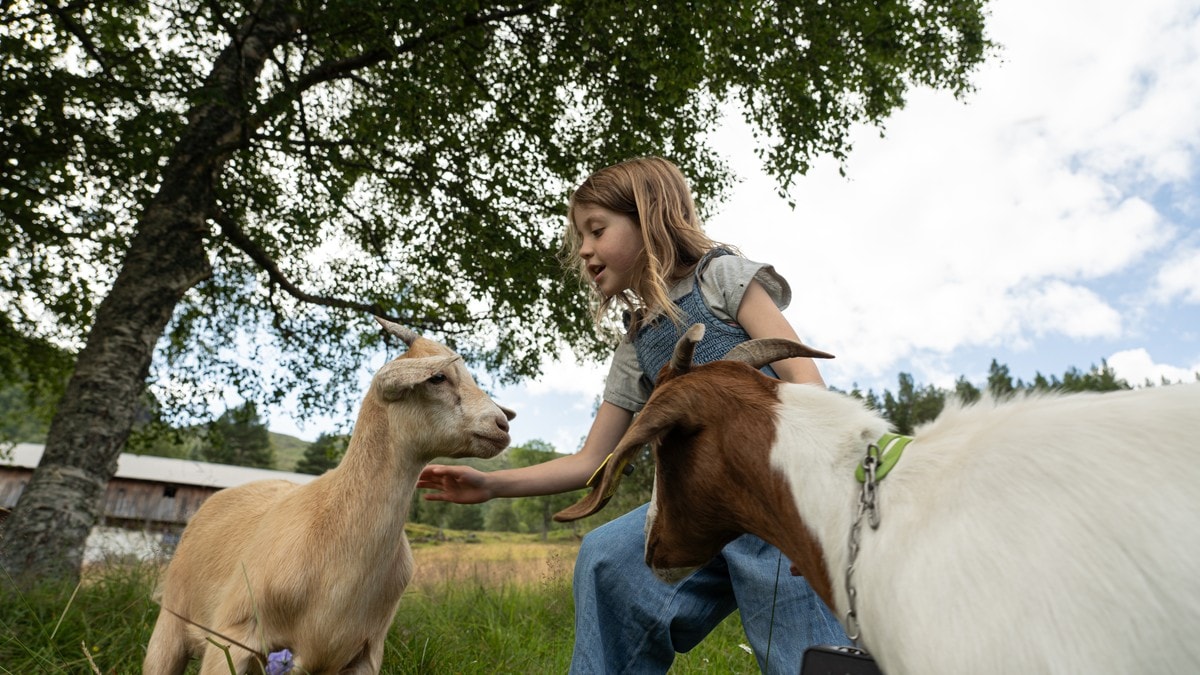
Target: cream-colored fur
column 319, row 569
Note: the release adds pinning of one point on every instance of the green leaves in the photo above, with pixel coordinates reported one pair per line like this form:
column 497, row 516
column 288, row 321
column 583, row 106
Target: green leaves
column 409, row 158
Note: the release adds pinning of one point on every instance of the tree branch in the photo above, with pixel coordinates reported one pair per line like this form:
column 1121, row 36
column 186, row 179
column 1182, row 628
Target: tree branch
column 243, row 242
column 75, row 29
column 347, row 67
column 219, row 18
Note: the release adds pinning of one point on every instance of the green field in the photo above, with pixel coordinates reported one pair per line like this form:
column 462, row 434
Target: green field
column 486, row 603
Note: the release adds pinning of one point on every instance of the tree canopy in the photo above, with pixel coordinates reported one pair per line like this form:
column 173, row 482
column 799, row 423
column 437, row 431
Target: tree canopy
column 212, row 194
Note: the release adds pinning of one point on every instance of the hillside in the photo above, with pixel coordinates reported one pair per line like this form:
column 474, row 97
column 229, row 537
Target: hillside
column 288, row 450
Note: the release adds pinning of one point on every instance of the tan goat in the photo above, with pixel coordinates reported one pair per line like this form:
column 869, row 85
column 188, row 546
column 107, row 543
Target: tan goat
column 319, row 569
column 1044, row 534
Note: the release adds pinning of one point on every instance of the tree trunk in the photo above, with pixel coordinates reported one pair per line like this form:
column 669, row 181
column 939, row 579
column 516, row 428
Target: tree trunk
column 45, row 535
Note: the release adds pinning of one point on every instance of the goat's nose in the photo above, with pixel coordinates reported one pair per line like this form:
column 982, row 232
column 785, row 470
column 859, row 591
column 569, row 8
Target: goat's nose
column 502, row 423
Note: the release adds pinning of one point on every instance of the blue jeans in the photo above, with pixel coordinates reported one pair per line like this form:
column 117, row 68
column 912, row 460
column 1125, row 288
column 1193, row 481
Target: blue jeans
column 628, row 621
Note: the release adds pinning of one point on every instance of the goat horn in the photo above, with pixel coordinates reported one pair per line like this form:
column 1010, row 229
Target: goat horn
column 759, row 353
column 681, row 359
column 399, row 331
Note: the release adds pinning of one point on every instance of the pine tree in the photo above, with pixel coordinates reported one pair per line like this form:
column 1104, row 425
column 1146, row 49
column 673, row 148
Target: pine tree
column 323, row 454
column 239, row 437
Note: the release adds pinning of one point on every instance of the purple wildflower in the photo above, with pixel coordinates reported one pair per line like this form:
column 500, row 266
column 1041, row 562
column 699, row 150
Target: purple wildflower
column 279, row 662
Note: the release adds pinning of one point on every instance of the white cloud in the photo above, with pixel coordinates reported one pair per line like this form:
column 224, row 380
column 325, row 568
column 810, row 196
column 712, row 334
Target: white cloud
column 1180, row 278
column 1106, row 81
column 1073, row 311
column 567, row 375
column 986, row 223
column 1135, row 366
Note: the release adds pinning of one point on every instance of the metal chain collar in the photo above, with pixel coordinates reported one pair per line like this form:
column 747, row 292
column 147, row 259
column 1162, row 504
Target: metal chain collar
column 866, row 505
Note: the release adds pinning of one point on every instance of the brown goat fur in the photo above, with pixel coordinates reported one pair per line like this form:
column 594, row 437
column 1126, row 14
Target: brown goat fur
column 680, row 409
column 704, row 414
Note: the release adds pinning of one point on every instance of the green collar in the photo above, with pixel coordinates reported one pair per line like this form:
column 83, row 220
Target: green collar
column 887, row 450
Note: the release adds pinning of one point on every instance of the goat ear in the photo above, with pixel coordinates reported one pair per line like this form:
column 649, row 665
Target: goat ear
column 399, row 331
column 400, row 375
column 759, row 353
column 649, row 427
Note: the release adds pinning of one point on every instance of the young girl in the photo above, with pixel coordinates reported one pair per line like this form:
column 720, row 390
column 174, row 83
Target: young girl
column 633, row 232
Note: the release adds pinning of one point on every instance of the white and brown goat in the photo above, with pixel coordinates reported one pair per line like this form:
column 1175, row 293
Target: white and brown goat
column 1044, row 534
column 318, row 569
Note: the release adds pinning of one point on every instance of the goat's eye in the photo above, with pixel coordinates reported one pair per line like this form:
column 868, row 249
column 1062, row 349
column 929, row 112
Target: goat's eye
column 437, row 378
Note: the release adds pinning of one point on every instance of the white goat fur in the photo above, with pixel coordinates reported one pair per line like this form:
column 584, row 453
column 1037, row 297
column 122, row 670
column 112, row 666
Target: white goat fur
column 1046, row 534
column 319, row 569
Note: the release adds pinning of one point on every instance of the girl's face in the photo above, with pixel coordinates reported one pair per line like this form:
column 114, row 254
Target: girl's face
column 610, row 245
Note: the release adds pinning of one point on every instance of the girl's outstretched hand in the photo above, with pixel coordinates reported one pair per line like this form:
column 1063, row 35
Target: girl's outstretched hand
column 458, row 484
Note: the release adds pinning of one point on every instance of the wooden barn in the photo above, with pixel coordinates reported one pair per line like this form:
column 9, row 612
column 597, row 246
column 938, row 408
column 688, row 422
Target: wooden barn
column 148, row 501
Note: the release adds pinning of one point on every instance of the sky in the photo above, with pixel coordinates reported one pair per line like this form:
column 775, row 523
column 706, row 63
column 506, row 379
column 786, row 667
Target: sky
column 1048, row 220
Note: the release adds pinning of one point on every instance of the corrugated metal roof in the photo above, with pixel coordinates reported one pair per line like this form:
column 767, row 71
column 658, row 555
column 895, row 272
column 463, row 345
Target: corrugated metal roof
column 165, row 469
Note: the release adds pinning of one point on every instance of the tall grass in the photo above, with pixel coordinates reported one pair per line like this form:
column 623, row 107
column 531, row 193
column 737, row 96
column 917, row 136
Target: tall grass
column 54, row 628
column 473, row 608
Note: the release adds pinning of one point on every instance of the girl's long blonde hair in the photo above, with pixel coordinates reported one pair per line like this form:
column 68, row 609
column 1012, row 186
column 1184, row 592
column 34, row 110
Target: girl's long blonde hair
column 654, row 193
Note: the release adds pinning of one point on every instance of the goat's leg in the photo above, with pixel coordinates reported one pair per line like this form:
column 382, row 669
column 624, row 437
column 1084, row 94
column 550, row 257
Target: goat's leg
column 370, row 660
column 167, row 653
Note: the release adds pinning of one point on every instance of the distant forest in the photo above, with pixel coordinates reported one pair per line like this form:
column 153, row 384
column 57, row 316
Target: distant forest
column 240, row 436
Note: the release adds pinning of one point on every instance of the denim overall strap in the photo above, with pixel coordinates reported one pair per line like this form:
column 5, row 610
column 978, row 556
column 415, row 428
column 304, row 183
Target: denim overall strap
column 655, row 342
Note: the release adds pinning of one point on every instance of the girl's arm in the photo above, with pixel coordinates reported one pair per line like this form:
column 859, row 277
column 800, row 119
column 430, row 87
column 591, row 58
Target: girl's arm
column 465, row 485
column 762, row 319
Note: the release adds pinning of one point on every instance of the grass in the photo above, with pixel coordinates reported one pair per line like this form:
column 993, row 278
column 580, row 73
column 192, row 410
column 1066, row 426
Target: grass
column 495, row 604
column 106, row 619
